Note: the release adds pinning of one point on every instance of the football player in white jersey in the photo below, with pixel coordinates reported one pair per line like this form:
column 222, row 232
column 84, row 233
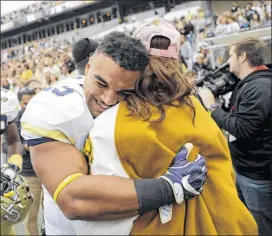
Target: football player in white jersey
column 15, row 196
column 9, row 110
column 59, row 119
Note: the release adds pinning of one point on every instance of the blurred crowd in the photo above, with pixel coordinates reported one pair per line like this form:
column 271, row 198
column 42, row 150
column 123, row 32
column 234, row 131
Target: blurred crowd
column 48, row 60
column 30, row 9
column 250, row 16
column 195, row 28
column 43, row 62
column 240, row 17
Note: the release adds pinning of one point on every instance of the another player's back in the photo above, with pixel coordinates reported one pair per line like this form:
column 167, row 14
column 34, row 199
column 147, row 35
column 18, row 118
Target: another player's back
column 9, row 108
column 9, row 104
column 9, row 111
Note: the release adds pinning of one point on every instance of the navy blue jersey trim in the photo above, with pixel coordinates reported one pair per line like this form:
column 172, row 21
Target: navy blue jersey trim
column 37, row 141
column 11, row 121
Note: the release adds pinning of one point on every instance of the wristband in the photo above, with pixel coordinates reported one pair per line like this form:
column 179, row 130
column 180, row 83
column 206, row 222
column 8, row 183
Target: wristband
column 16, row 160
column 153, row 193
column 64, row 183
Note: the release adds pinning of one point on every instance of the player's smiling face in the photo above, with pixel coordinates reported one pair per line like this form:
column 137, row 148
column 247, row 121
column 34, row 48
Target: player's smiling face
column 106, row 83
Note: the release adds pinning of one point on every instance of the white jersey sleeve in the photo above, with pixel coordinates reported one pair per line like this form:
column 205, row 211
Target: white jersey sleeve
column 9, row 105
column 9, row 109
column 58, row 113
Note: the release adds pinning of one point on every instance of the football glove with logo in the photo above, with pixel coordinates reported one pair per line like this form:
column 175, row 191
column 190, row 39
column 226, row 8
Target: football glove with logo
column 186, row 179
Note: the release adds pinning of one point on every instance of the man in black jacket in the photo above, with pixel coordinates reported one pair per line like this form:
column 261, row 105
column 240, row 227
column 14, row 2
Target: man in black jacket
column 249, row 127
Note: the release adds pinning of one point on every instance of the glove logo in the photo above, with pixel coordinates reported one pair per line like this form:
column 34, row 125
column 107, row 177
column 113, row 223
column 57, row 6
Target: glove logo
column 186, row 179
column 12, row 214
column 179, row 193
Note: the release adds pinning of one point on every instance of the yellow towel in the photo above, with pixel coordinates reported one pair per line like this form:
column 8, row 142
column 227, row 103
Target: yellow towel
column 147, row 149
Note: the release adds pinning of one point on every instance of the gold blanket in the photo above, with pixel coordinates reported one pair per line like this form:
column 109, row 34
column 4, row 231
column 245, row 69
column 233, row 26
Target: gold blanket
column 147, row 149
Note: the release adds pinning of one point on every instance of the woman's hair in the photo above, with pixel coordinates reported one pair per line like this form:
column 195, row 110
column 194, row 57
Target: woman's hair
column 162, row 83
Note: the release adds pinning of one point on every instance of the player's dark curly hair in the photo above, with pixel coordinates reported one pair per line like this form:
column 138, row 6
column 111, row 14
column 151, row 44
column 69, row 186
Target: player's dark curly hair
column 127, row 52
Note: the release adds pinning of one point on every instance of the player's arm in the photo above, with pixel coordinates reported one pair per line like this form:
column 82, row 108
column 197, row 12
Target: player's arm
column 13, row 140
column 87, row 197
column 94, row 197
column 50, row 131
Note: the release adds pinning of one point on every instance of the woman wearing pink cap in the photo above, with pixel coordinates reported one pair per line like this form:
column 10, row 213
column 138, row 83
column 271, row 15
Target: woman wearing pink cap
column 174, row 117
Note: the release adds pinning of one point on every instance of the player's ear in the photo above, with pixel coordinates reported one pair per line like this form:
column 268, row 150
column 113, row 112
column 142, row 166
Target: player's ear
column 88, row 66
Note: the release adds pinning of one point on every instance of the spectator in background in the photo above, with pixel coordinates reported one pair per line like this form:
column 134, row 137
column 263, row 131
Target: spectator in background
column 52, row 66
column 233, row 26
column 256, row 6
column 267, row 5
column 200, row 41
column 189, row 16
column 31, row 222
column 14, row 87
column 189, row 31
column 64, row 72
column 234, row 7
column 186, row 51
column 40, row 74
column 199, row 21
column 227, row 14
column 31, row 64
column 243, row 23
column 35, row 85
column 19, row 70
column 188, row 28
column 52, row 79
column 255, row 21
column 249, row 12
column 221, row 25
column 206, row 53
column 26, row 74
column 200, row 67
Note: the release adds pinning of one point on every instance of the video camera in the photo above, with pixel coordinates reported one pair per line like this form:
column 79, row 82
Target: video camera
column 219, row 81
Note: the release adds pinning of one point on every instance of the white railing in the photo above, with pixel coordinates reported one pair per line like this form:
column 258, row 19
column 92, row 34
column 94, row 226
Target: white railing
column 226, row 39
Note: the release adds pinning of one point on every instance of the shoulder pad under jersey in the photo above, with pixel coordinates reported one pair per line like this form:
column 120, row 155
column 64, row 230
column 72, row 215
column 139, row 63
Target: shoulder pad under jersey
column 59, row 112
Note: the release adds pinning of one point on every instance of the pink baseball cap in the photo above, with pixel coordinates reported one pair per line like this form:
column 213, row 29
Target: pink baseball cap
column 159, row 27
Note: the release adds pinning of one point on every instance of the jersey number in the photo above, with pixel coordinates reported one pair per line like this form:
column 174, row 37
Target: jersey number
column 60, row 91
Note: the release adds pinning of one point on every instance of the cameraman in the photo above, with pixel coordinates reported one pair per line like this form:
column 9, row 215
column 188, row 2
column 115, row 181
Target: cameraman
column 249, row 127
